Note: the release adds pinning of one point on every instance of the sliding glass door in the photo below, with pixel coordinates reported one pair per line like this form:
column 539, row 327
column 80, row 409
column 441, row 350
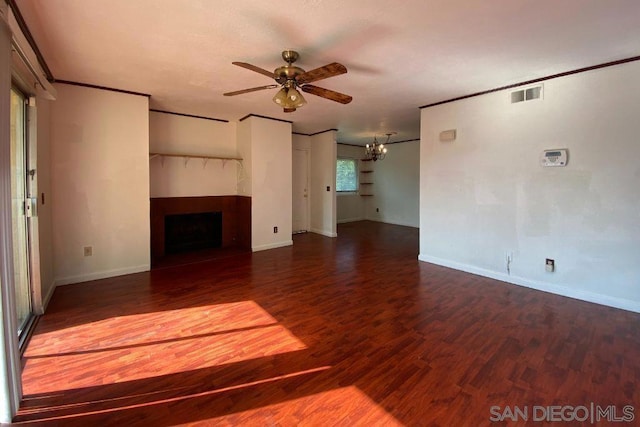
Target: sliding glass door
column 19, row 176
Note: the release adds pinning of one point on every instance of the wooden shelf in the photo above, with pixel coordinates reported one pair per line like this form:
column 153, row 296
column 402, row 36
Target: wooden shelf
column 366, row 171
column 366, row 195
column 366, row 183
column 193, row 156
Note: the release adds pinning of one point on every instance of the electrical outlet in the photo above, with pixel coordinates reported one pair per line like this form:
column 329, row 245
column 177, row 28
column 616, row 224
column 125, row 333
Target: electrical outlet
column 88, row 251
column 275, row 229
column 550, row 265
column 377, row 209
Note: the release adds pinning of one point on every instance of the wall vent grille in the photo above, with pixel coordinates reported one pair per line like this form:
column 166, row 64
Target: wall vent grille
column 527, row 94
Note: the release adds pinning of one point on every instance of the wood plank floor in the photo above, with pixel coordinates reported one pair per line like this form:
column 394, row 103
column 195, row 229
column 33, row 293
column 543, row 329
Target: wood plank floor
column 346, row 331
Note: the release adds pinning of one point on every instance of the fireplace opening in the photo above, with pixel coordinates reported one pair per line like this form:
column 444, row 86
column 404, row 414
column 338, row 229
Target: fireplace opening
column 192, row 232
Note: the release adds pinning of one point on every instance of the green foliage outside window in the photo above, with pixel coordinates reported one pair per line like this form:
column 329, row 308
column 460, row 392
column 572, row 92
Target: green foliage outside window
column 346, row 175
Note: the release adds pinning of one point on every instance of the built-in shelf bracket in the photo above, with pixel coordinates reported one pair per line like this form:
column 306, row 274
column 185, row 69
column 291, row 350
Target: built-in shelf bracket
column 187, row 157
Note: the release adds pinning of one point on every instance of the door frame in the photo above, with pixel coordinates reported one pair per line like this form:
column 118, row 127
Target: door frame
column 25, row 184
column 307, row 152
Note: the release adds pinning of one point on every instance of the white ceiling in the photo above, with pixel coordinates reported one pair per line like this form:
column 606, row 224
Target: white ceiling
column 400, row 54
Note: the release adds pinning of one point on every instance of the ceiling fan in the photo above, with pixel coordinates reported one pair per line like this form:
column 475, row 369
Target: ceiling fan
column 291, row 78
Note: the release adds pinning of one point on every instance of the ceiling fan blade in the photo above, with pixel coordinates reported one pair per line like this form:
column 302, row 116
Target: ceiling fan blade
column 254, row 68
column 326, row 93
column 253, row 89
column 330, row 70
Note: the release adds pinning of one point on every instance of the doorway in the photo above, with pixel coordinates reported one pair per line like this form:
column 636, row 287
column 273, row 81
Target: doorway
column 21, row 210
column 300, row 200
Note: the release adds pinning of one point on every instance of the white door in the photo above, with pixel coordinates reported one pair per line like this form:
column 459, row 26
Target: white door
column 300, row 191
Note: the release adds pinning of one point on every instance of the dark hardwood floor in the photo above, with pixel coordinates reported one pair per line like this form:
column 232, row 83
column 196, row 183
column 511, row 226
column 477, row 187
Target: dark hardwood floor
column 346, row 331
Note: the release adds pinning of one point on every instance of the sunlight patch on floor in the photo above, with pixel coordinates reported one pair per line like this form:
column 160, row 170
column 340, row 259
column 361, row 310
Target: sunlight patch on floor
column 161, row 325
column 347, row 406
column 155, row 344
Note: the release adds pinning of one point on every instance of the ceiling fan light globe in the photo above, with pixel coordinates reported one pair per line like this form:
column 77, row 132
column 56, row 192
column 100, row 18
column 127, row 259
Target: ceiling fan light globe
column 295, row 98
column 302, row 101
column 280, row 97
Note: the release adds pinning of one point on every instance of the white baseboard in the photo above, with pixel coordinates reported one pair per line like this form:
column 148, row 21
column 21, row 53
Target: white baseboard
column 271, row 246
column 342, row 221
column 579, row 294
column 324, row 232
column 47, row 297
column 404, row 224
column 101, row 275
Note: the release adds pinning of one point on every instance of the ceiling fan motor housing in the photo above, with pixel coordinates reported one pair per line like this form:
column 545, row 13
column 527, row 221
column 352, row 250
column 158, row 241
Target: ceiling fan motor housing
column 287, row 72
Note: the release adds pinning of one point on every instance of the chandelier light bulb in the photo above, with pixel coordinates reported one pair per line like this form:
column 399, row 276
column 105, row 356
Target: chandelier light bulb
column 376, row 151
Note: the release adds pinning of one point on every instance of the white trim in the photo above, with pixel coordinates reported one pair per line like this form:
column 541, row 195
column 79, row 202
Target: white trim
column 33, row 223
column 28, row 56
column 324, row 232
column 342, row 221
column 101, row 275
column 47, row 297
column 271, row 246
column 404, row 224
column 582, row 295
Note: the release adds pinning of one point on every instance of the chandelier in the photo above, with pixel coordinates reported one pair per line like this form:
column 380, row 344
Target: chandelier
column 377, row 151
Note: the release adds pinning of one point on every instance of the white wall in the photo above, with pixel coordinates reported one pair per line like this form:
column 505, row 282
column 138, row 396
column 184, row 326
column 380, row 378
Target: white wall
column 266, row 147
column 351, row 206
column 100, row 183
column 301, row 142
column 323, row 175
column 396, row 186
column 485, row 194
column 171, row 177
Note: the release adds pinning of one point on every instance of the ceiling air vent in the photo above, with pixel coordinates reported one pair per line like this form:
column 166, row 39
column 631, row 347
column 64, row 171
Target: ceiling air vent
column 527, row 94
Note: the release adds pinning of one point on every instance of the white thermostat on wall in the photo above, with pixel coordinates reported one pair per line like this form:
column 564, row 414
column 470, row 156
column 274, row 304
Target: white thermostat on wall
column 554, row 157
